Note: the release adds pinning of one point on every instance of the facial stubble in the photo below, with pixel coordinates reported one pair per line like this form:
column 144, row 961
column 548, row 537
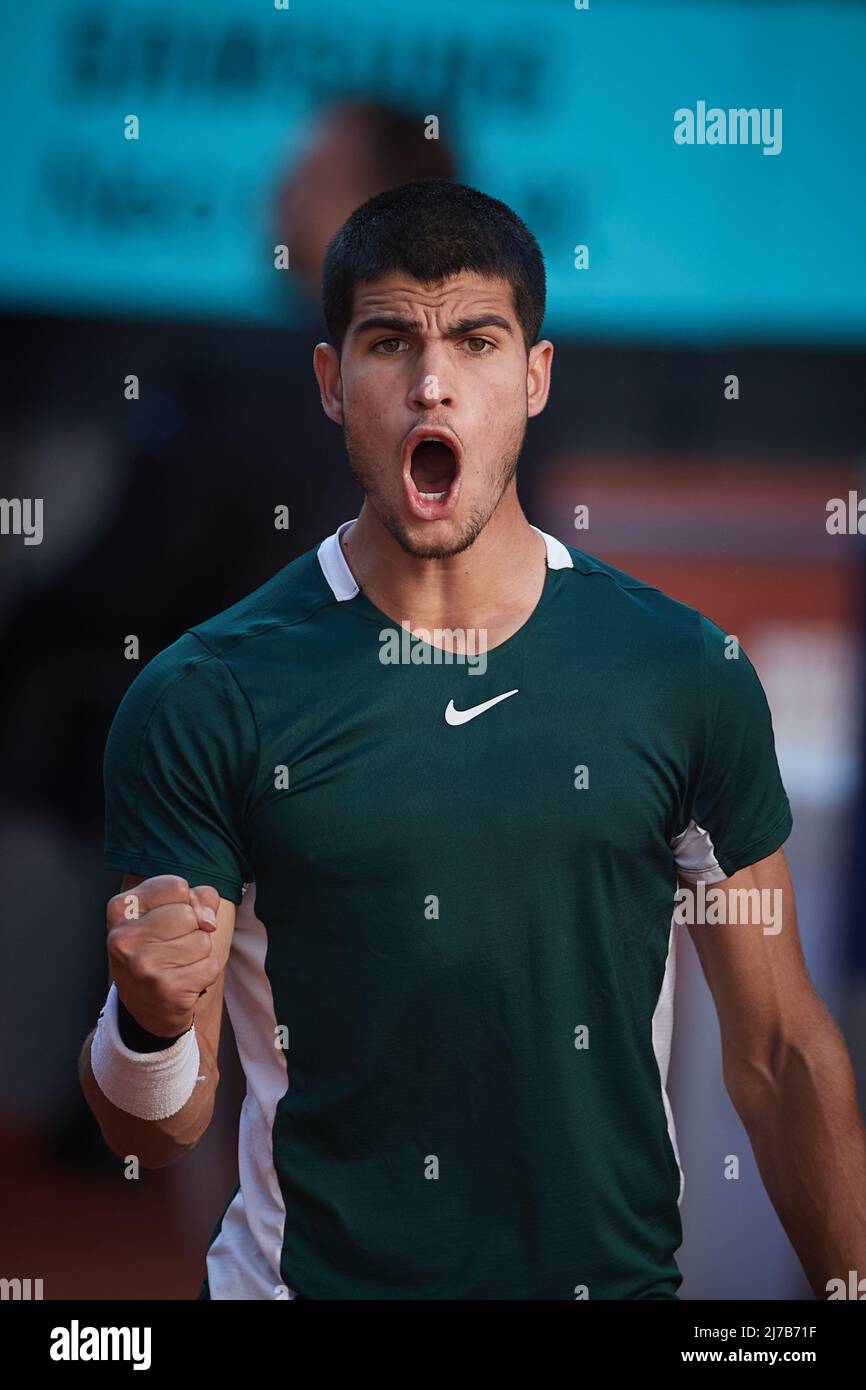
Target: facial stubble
column 367, row 471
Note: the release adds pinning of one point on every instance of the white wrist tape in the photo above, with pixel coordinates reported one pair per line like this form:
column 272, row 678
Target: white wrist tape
column 151, row 1085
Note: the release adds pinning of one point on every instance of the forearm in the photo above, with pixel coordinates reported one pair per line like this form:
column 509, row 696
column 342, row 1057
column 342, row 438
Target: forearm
column 800, row 1112
column 156, row 1143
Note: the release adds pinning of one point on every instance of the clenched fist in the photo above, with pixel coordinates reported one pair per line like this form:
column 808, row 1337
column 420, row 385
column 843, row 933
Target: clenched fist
column 161, row 951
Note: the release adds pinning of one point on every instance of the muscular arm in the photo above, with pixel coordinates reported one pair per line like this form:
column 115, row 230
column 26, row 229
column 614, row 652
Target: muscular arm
column 789, row 1076
column 158, row 1143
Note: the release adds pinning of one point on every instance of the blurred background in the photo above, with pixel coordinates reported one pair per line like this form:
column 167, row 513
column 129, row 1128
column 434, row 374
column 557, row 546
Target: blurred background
column 263, row 126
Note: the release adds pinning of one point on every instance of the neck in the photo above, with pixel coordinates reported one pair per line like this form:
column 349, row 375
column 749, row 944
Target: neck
column 497, row 579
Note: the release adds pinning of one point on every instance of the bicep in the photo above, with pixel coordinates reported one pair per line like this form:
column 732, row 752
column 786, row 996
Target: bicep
column 752, row 958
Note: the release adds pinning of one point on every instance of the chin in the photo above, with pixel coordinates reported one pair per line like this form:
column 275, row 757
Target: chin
column 435, row 540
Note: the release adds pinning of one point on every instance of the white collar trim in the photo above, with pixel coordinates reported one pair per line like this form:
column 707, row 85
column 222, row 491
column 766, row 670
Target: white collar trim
column 344, row 586
column 558, row 557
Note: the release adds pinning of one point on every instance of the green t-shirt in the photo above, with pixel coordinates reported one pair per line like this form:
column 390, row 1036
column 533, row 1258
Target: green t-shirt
column 453, row 997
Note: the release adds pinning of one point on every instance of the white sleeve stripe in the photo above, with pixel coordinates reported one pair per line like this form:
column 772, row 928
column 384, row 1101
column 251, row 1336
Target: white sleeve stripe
column 695, row 855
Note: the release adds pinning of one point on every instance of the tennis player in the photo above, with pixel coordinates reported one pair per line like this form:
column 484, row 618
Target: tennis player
column 423, row 809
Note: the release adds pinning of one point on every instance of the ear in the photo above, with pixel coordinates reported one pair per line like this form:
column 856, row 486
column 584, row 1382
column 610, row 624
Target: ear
column 538, row 376
column 326, row 365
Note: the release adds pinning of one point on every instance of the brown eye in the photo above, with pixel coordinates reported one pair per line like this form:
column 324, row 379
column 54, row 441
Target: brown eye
column 383, row 345
column 484, row 344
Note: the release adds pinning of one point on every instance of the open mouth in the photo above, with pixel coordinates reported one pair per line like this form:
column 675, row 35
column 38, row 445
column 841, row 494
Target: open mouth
column 433, row 467
column 431, row 470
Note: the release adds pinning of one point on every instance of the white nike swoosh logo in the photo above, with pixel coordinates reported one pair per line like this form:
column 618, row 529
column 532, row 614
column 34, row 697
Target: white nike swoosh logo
column 462, row 716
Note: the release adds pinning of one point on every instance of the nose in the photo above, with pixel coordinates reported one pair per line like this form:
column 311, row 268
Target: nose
column 433, row 384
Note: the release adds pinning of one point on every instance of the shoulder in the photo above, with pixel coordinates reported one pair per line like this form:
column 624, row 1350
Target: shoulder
column 200, row 658
column 668, row 647
column 622, row 604
column 290, row 598
column 195, row 679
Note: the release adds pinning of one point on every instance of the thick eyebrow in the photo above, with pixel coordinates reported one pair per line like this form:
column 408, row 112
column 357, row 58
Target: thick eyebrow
column 413, row 328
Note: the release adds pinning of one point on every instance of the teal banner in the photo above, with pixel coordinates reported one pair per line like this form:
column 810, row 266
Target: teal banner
column 693, row 171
